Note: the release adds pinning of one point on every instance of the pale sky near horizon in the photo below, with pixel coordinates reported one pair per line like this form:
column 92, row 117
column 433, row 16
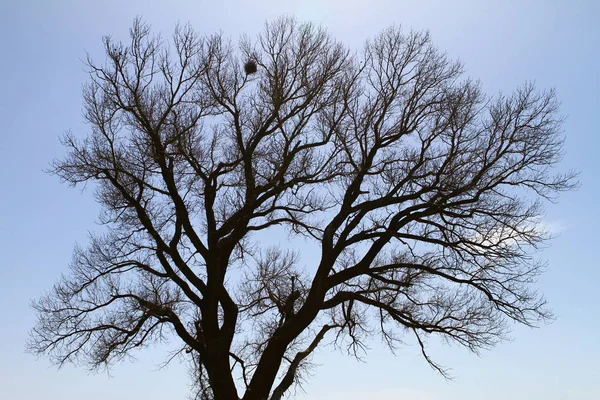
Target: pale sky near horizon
column 502, row 43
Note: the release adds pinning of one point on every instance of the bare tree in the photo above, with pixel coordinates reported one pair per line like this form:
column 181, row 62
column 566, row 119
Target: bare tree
column 421, row 197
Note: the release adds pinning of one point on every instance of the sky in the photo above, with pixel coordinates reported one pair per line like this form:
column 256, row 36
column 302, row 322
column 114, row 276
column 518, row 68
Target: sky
column 502, row 43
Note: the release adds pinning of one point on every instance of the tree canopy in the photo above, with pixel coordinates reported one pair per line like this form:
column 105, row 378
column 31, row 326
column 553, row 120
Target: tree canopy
column 420, row 195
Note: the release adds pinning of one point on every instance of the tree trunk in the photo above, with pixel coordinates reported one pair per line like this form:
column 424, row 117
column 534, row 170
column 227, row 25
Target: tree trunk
column 221, row 379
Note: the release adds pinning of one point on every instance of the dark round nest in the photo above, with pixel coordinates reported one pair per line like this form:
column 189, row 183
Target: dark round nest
column 250, row 67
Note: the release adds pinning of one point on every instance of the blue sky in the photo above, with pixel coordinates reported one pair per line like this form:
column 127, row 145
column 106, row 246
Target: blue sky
column 503, row 43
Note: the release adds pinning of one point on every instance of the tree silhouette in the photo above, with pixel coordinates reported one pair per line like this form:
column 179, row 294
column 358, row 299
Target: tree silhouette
column 420, row 196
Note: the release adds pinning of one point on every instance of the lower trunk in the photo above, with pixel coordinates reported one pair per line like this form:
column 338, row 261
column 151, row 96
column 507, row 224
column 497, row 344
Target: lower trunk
column 266, row 372
column 221, row 379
